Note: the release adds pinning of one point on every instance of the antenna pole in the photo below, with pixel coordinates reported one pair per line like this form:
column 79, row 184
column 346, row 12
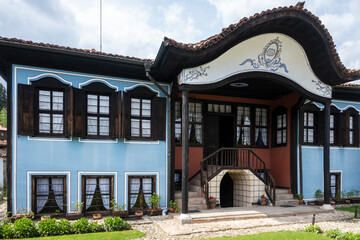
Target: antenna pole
column 100, row 25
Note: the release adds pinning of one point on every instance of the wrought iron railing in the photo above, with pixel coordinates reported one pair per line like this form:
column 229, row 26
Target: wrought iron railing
column 236, row 158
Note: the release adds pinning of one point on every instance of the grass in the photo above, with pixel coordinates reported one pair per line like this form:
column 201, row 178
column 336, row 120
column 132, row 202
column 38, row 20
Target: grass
column 350, row 209
column 281, row 235
column 131, row 234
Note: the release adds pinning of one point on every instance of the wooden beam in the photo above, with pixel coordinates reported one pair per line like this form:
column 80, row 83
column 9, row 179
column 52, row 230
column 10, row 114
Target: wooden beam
column 185, row 150
column 327, row 152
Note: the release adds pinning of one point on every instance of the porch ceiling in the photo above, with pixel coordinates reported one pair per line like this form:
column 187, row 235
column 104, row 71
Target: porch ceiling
column 257, row 88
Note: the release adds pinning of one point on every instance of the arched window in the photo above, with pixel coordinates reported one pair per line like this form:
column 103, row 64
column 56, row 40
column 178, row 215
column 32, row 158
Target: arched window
column 349, row 121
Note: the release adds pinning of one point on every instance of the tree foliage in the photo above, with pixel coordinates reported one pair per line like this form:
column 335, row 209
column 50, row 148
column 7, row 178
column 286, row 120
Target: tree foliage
column 3, row 96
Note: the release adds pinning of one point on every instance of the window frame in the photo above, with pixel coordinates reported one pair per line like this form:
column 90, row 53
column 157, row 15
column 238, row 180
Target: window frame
column 337, row 183
column 336, row 126
column 141, row 118
column 34, row 193
column 253, row 125
column 83, row 191
column 193, row 101
column 98, row 115
column 129, row 194
column 279, row 111
column 346, row 115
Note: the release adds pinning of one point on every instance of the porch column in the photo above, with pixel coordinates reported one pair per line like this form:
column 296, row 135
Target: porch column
column 185, row 150
column 327, row 153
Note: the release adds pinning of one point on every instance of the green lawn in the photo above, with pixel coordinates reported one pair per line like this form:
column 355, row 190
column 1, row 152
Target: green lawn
column 350, row 209
column 132, row 234
column 282, row 235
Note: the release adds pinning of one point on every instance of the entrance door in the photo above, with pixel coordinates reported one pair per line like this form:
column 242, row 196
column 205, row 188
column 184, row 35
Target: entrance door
column 211, row 135
column 226, row 131
column 227, row 191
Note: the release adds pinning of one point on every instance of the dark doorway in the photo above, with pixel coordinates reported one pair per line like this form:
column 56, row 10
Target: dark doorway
column 226, row 131
column 227, row 191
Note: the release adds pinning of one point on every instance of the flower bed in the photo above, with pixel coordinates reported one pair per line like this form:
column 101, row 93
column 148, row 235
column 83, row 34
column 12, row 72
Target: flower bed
column 26, row 228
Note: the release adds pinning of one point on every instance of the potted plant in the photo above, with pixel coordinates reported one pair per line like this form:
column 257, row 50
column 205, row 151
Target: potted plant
column 173, row 206
column 319, row 195
column 78, row 206
column 97, row 216
column 339, row 198
column 299, row 197
column 348, row 196
column 45, row 217
column 212, row 202
column 117, row 210
column 355, row 198
column 154, row 201
column 263, row 200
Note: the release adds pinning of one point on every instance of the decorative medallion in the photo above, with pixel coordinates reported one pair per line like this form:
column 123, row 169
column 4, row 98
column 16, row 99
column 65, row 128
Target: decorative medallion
column 269, row 57
column 194, row 74
column 323, row 88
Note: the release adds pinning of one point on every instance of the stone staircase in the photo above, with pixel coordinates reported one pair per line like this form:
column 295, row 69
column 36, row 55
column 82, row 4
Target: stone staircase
column 196, row 201
column 283, row 197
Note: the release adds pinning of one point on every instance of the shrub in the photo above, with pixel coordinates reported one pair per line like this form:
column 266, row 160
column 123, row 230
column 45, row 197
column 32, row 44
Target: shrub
column 64, row 227
column 349, row 236
column 333, row 233
column 48, row 228
column 95, row 227
column 80, row 226
column 7, row 231
column 314, row 229
column 24, row 228
column 116, row 224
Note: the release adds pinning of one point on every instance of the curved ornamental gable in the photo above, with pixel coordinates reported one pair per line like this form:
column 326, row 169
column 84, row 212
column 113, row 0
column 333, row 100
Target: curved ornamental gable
column 272, row 53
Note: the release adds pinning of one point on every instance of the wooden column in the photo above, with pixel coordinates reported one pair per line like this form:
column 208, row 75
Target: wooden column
column 327, row 152
column 185, row 150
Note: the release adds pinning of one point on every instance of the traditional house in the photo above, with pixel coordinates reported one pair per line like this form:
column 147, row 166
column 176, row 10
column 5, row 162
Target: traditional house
column 259, row 107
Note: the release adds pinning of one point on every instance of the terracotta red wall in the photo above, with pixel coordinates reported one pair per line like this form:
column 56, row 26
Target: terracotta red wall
column 280, row 156
column 276, row 159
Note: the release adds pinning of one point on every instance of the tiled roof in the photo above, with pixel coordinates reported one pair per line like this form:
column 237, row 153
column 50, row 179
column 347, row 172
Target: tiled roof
column 69, row 49
column 299, row 7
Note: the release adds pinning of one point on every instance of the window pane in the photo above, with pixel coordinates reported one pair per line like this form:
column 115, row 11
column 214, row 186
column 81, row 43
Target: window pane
column 177, row 111
column 146, row 108
column 310, row 135
column 351, row 119
column 58, row 124
column 135, row 107
column 104, row 126
column 198, row 133
column 146, row 128
column 331, row 136
column 243, row 135
column 92, row 125
column 177, row 132
column 278, row 121
column 222, row 108
column 278, row 137
column 261, row 136
column 58, row 100
column 104, row 104
column 351, row 137
column 305, row 135
column 243, row 117
column 331, row 121
column 305, row 119
column 228, row 108
column 44, row 100
column 216, row 107
column 284, row 120
column 92, row 102
column 310, row 119
column 198, row 113
column 260, row 117
column 44, row 123
column 210, row 107
column 284, row 136
column 135, row 127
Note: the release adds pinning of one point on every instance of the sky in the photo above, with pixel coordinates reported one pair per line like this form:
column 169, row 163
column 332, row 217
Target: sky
column 137, row 27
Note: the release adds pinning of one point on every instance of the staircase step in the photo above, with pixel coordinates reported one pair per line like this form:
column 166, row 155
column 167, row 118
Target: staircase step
column 282, row 191
column 195, row 207
column 192, row 200
column 281, row 196
column 195, row 182
column 178, row 194
column 287, row 202
column 193, row 188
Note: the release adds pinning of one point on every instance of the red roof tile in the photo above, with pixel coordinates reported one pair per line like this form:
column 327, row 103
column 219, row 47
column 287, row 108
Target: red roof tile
column 299, row 7
column 69, row 49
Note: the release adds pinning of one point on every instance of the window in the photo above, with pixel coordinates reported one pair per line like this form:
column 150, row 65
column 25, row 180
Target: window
column 243, row 128
column 195, row 122
column 140, row 117
column 140, row 189
column 219, row 108
column 351, row 130
column 261, row 126
column 97, row 192
column 335, row 184
column 51, row 111
column 309, row 127
column 48, row 194
column 279, row 137
column 98, row 115
column 349, row 135
column 144, row 115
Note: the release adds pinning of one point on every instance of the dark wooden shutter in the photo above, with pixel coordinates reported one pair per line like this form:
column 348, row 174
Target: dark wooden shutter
column 126, row 120
column 116, row 114
column 158, row 118
column 26, row 94
column 79, row 112
column 69, row 103
column 344, row 129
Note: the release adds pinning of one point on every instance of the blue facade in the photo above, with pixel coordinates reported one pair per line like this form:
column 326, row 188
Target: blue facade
column 343, row 160
column 74, row 157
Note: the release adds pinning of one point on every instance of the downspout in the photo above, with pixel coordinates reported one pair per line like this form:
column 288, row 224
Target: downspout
column 147, row 71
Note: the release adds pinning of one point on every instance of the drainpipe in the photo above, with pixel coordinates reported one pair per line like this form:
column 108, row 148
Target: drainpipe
column 147, row 71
